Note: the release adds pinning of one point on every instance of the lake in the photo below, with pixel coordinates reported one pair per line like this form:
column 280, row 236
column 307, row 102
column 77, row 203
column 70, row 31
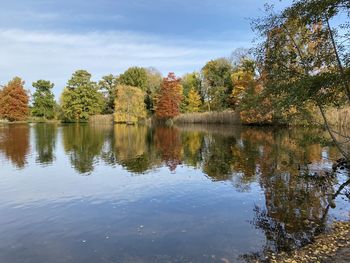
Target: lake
column 104, row 193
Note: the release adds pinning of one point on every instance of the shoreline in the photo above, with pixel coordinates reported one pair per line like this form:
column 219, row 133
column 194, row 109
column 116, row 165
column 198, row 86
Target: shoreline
column 333, row 246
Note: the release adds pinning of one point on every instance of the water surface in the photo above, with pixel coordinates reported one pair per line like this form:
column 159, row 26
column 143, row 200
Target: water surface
column 95, row 193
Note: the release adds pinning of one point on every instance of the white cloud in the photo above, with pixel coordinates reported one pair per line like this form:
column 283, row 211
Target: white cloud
column 55, row 56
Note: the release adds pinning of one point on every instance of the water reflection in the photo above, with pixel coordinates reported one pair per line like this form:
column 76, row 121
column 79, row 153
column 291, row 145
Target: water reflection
column 272, row 164
column 133, row 148
column 45, row 142
column 168, row 143
column 83, row 144
column 14, row 143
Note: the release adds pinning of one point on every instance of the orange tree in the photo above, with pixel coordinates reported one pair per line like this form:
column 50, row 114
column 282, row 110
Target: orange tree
column 169, row 99
column 14, row 101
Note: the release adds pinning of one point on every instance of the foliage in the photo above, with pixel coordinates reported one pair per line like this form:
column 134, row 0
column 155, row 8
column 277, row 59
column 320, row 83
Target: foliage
column 14, row 101
column 298, row 56
column 154, row 81
column 129, row 104
column 191, row 81
column 43, row 99
column 303, row 59
column 193, row 101
column 147, row 79
column 242, row 78
column 217, row 85
column 255, row 109
column 170, row 97
column 135, row 77
column 81, row 99
column 107, row 85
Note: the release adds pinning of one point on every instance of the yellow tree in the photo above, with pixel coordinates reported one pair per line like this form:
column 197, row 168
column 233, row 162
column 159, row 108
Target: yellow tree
column 129, row 104
column 242, row 79
column 193, row 101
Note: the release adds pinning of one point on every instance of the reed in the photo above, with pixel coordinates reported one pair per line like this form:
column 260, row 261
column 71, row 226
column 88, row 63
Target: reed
column 339, row 117
column 101, row 118
column 225, row 117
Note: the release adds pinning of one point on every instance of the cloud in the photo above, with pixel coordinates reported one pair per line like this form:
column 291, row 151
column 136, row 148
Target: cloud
column 56, row 55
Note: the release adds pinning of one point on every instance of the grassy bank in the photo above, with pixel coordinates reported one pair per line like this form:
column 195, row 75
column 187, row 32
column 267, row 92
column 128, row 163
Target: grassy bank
column 225, row 117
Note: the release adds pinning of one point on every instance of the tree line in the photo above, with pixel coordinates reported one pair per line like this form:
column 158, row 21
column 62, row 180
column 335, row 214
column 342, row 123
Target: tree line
column 133, row 95
column 301, row 65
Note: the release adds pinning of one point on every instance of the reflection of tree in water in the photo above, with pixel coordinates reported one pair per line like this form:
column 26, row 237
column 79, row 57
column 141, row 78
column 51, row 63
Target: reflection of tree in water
column 278, row 159
column 133, row 148
column 45, row 141
column 296, row 204
column 14, row 143
column 192, row 148
column 168, row 142
column 83, row 143
column 293, row 230
column 218, row 157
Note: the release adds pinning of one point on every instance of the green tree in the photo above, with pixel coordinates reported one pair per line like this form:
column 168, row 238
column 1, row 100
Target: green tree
column 135, row 77
column 129, row 104
column 217, row 85
column 43, row 99
column 81, row 99
column 154, row 82
column 191, row 81
column 107, row 85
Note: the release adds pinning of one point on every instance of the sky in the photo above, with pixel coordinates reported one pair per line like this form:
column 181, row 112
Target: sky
column 50, row 39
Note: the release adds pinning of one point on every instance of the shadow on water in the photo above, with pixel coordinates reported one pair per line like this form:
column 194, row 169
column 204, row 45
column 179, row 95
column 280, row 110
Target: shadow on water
column 292, row 168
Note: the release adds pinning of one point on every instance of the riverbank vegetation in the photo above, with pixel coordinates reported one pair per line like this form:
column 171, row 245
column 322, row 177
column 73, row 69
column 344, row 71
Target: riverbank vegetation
column 297, row 73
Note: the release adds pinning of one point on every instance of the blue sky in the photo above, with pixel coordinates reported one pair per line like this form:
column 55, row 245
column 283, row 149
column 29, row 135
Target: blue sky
column 50, row 39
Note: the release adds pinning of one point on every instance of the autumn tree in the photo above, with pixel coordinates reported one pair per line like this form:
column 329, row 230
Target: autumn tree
column 43, row 99
column 129, row 104
column 14, row 101
column 304, row 60
column 243, row 78
column 81, row 99
column 107, row 85
column 193, row 101
column 170, row 97
column 190, row 81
